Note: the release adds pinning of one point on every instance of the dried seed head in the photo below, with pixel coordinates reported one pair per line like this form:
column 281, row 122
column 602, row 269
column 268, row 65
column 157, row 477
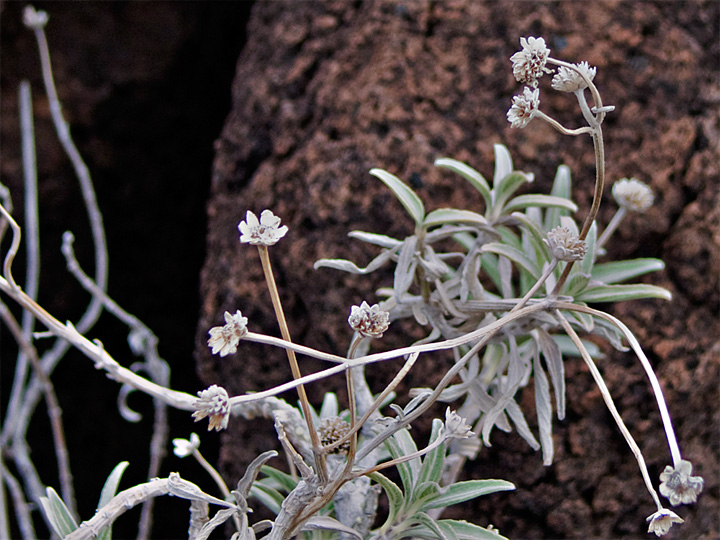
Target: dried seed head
column 569, row 80
column 523, row 108
column 332, row 430
column 633, row 194
column 213, row 403
column 678, row 486
column 369, row 321
column 564, row 245
column 529, row 63
column 265, row 232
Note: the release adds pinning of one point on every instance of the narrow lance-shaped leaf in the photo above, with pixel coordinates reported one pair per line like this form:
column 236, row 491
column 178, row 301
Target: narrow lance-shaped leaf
column 407, row 197
column 503, row 164
column 543, row 408
column 537, row 200
column 504, row 190
column 556, row 368
column 395, row 496
column 514, row 255
column 471, row 175
column 108, row 492
column 442, row 216
column 432, row 464
column 57, row 513
column 620, row 293
column 465, row 491
column 561, row 188
column 376, row 239
column 618, row 271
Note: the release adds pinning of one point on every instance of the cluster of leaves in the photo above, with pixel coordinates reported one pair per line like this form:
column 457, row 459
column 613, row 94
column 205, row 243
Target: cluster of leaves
column 496, row 259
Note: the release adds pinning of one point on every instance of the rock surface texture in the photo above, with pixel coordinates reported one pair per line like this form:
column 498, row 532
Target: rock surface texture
column 325, row 91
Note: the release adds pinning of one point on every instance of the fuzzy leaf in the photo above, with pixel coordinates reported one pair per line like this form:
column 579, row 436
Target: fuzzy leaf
column 402, row 444
column 588, row 261
column 503, row 164
column 618, row 271
column 248, row 479
column 620, row 293
column 326, row 523
column 57, row 513
column 561, row 188
column 471, row 175
column 465, row 491
column 283, row 480
column 349, row 266
column 544, row 201
column 395, row 496
column 514, row 255
column 108, row 492
column 543, row 408
column 554, row 362
column 462, row 530
column 432, row 465
column 407, row 197
column 266, row 495
column 375, row 239
column 505, row 188
column 442, row 216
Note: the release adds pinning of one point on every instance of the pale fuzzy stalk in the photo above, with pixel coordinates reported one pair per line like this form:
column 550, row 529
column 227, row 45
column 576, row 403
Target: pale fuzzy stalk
column 657, row 389
column 294, row 367
column 53, row 409
column 558, row 126
column 409, row 363
column 403, row 459
column 32, row 242
column 159, row 438
column 610, row 405
column 480, row 333
column 22, row 508
column 612, row 226
column 131, row 497
column 219, row 482
column 50, row 359
column 534, row 288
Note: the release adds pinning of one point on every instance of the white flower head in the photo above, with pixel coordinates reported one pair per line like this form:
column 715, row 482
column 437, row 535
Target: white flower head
column 523, row 108
column 564, row 245
column 213, row 403
column 184, row 448
column 36, row 20
column 678, row 486
column 662, row 520
column 633, row 194
column 529, row 63
column 569, row 80
column 265, row 232
column 225, row 339
column 455, row 426
column 369, row 321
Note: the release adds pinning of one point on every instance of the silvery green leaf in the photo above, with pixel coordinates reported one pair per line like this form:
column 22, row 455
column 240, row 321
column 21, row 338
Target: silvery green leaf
column 405, row 267
column 569, row 223
column 490, row 266
column 618, row 271
column 432, row 464
column 396, row 499
column 509, row 236
column 330, row 406
column 554, row 362
column 251, row 472
column 218, row 519
column 424, row 491
column 375, row 239
column 515, row 413
column 576, row 284
column 620, row 293
column 57, row 513
column 407, row 197
column 428, row 523
column 351, row 267
column 587, row 262
column 561, row 188
column 531, row 228
column 611, row 333
column 514, row 255
column 503, row 164
column 470, row 285
column 108, row 492
column 504, row 190
column 326, row 523
column 282, row 480
column 543, row 409
column 462, row 530
column 465, row 491
column 471, row 175
column 538, row 200
column 402, row 444
column 269, row 497
column 583, row 320
column 567, row 347
column 443, row 216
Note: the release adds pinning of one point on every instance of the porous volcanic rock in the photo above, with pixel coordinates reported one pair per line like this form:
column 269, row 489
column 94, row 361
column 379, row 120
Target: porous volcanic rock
column 327, row 90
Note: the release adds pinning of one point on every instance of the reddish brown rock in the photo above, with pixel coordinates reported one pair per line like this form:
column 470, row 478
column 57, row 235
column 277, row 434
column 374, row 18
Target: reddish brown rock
column 326, row 91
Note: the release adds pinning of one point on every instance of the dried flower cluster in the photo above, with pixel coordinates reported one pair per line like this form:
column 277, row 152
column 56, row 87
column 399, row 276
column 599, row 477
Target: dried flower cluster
column 332, row 430
column 633, row 194
column 369, row 321
column 213, row 403
column 564, row 245
column 225, row 339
